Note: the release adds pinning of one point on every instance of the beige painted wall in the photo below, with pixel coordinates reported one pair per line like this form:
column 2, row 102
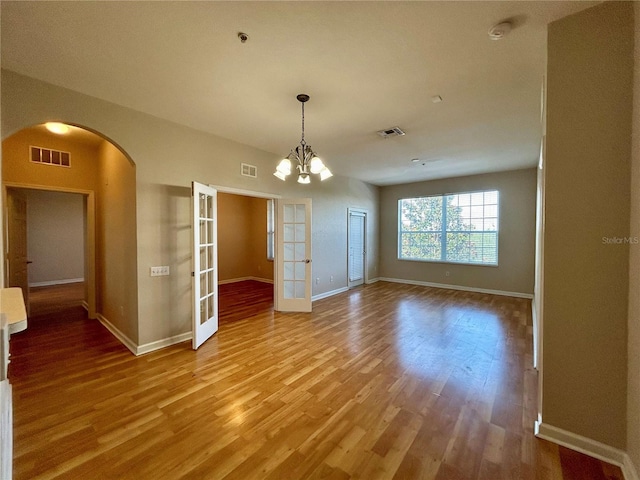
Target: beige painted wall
column 587, row 199
column 99, row 167
column 234, row 239
column 116, row 249
column 242, row 238
column 516, row 242
column 168, row 157
column 633, row 383
column 17, row 166
column 260, row 266
column 55, row 236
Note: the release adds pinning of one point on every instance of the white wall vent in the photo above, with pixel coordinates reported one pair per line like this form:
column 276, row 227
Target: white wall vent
column 50, row 157
column 390, row 132
column 247, row 170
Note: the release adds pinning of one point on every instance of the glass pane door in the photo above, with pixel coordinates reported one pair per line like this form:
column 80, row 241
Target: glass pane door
column 294, row 255
column 205, row 263
column 356, row 227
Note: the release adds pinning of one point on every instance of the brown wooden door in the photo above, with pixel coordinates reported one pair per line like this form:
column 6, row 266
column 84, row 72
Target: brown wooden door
column 17, row 261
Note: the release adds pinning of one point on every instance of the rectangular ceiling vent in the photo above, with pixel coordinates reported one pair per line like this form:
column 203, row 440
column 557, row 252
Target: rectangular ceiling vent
column 247, row 170
column 391, row 132
column 50, row 157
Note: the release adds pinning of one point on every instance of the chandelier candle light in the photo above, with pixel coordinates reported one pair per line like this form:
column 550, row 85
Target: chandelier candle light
column 307, row 160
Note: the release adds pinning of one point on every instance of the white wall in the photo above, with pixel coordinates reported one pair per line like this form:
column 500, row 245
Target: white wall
column 55, row 237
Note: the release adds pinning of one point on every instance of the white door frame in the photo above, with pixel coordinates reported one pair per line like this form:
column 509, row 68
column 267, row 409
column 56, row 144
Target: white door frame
column 90, row 241
column 364, row 213
column 537, row 305
column 538, row 297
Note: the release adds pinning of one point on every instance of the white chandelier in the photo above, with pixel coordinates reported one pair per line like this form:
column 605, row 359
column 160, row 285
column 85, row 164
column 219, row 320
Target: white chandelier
column 307, row 160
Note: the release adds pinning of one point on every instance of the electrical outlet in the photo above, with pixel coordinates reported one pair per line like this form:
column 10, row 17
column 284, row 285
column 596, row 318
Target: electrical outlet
column 331, row 279
column 317, row 280
column 446, row 274
column 161, row 271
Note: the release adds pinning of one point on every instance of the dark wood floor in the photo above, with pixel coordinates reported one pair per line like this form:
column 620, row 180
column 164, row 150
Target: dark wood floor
column 386, row 381
column 240, row 300
column 55, row 299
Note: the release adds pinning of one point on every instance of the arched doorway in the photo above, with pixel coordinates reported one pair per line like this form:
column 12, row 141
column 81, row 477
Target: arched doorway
column 85, row 163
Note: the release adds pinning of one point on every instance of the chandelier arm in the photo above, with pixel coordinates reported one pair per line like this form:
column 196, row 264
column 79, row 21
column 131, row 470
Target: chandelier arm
column 308, row 155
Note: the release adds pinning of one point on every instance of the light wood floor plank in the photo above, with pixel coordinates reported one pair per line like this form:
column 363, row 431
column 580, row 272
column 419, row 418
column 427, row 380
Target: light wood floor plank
column 385, row 381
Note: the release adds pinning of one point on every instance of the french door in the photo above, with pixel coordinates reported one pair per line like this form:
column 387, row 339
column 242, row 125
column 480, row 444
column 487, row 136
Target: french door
column 205, row 262
column 293, row 258
column 356, row 236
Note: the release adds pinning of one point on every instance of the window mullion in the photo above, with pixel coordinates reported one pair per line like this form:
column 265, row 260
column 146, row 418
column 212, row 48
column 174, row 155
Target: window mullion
column 471, row 240
column 443, row 239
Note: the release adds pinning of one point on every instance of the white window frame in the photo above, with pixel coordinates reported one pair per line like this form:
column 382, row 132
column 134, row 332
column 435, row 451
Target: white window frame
column 485, row 218
column 271, row 229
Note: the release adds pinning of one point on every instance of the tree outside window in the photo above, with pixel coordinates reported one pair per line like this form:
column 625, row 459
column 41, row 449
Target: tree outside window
column 458, row 228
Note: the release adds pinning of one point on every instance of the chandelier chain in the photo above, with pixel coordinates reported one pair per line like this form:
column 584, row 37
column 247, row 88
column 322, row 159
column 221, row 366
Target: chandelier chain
column 302, row 141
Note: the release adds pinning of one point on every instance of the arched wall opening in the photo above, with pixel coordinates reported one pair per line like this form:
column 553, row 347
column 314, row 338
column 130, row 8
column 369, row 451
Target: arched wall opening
column 89, row 164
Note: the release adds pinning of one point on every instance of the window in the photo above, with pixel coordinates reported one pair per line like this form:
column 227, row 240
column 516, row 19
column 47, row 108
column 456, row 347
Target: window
column 270, row 229
column 458, row 228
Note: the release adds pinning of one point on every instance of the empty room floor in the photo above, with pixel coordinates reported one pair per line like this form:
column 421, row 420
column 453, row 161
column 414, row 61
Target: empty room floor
column 385, row 381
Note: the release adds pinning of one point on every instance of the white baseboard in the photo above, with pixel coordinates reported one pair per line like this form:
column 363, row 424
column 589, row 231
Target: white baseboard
column 628, row 469
column 536, row 340
column 458, row 287
column 56, row 282
column 85, row 305
column 147, row 347
column 243, row 279
column 331, row 293
column 372, row 280
column 126, row 341
column 233, row 280
column 588, row 446
column 165, row 342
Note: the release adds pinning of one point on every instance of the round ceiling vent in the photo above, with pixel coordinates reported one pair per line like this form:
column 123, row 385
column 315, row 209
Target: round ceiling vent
column 499, row 31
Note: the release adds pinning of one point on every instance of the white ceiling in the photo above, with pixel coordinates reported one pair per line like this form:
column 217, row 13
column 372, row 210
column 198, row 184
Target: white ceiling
column 367, row 66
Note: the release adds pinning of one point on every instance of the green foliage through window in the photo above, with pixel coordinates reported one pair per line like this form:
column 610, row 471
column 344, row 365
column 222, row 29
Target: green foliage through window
column 459, row 228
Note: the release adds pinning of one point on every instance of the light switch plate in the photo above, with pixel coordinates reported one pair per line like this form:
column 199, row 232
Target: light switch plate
column 161, row 271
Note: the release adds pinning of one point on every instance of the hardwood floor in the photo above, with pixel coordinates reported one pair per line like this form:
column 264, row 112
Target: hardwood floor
column 239, row 300
column 386, row 381
column 56, row 298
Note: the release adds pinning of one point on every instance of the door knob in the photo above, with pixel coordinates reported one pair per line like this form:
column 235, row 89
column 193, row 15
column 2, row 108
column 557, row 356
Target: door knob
column 307, row 261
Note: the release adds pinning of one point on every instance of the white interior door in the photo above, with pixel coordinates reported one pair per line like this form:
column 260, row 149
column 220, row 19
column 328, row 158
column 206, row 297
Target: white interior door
column 205, row 263
column 293, row 258
column 357, row 253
